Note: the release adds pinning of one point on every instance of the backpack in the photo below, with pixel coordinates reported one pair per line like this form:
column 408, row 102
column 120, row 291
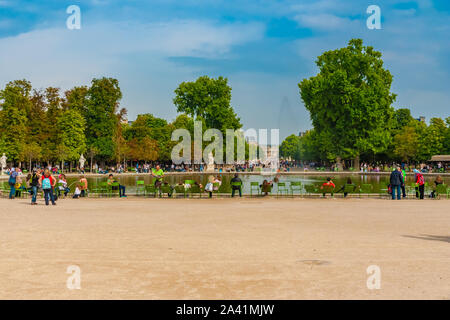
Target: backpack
column 46, row 183
column 12, row 178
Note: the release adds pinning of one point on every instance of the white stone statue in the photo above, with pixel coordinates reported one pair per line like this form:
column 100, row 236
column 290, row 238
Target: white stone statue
column 210, row 164
column 82, row 161
column 3, row 162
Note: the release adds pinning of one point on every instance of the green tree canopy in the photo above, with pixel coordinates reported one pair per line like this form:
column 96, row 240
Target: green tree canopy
column 71, row 138
column 209, row 99
column 349, row 100
column 101, row 120
column 15, row 105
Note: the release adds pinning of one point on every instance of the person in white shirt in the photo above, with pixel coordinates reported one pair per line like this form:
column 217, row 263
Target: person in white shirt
column 77, row 192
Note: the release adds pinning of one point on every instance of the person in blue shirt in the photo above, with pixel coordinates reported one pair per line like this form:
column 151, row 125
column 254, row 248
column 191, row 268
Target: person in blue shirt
column 12, row 183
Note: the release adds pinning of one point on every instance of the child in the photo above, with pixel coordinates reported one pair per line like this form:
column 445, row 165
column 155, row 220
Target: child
column 77, row 192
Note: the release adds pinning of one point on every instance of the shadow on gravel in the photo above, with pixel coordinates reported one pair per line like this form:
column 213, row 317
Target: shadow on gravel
column 431, row 237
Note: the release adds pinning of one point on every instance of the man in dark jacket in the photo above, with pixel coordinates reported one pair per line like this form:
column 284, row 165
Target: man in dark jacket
column 396, row 183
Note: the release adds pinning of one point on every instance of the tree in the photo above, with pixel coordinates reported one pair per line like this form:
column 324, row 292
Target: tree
column 406, row 144
column 76, row 98
column 30, row 152
column 54, row 111
column 103, row 102
column 71, row 138
column 37, row 124
column 209, row 99
column 15, row 106
column 142, row 149
column 447, row 137
column 119, row 140
column 290, row 147
column 431, row 139
column 402, row 118
column 350, row 101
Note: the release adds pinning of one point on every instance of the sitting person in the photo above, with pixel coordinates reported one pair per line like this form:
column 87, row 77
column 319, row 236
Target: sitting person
column 329, row 183
column 63, row 185
column 20, row 186
column 83, row 186
column 437, row 182
column 266, row 187
column 77, row 192
column 112, row 180
column 236, row 179
column 349, row 182
column 213, row 184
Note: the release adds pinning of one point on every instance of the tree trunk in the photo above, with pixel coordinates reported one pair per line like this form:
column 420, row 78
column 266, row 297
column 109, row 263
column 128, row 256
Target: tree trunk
column 339, row 163
column 30, row 165
column 357, row 163
column 92, row 163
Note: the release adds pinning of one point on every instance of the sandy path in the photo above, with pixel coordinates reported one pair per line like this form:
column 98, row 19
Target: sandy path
column 225, row 248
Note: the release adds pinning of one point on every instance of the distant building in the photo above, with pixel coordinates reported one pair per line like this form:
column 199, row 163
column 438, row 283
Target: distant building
column 421, row 119
column 301, row 133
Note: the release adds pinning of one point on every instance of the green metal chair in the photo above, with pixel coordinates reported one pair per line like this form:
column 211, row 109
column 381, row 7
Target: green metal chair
column 441, row 189
column 365, row 189
column 114, row 189
column 310, row 189
column 327, row 189
column 267, row 189
column 194, row 188
column 180, row 190
column 165, row 188
column 4, row 188
column 216, row 188
column 150, row 189
column 103, row 189
column 235, row 184
column 140, row 187
column 349, row 188
column 282, row 188
column 295, row 186
column 254, row 186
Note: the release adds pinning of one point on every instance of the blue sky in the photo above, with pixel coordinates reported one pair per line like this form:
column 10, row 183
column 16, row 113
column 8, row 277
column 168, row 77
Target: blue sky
column 264, row 47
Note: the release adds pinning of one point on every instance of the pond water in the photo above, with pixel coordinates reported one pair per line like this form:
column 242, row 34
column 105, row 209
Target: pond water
column 378, row 182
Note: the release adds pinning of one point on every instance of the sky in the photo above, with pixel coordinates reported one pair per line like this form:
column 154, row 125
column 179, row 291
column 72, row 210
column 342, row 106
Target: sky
column 264, row 48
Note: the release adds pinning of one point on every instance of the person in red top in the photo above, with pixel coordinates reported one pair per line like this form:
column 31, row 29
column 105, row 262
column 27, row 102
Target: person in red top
column 420, row 184
column 329, row 183
column 47, row 183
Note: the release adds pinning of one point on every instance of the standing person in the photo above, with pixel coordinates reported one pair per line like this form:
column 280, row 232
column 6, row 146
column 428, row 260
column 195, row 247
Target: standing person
column 234, row 188
column 396, row 182
column 47, row 182
column 83, row 186
column 12, row 183
column 34, row 185
column 404, row 180
column 420, row 184
column 158, row 173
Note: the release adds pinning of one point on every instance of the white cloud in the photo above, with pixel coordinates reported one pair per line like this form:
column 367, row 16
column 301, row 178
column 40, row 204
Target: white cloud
column 134, row 54
column 323, row 21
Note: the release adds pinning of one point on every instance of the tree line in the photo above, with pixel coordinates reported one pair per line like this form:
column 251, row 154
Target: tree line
column 50, row 126
column 350, row 105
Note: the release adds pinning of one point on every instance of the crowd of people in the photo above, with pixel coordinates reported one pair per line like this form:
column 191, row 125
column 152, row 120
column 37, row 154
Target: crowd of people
column 54, row 184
